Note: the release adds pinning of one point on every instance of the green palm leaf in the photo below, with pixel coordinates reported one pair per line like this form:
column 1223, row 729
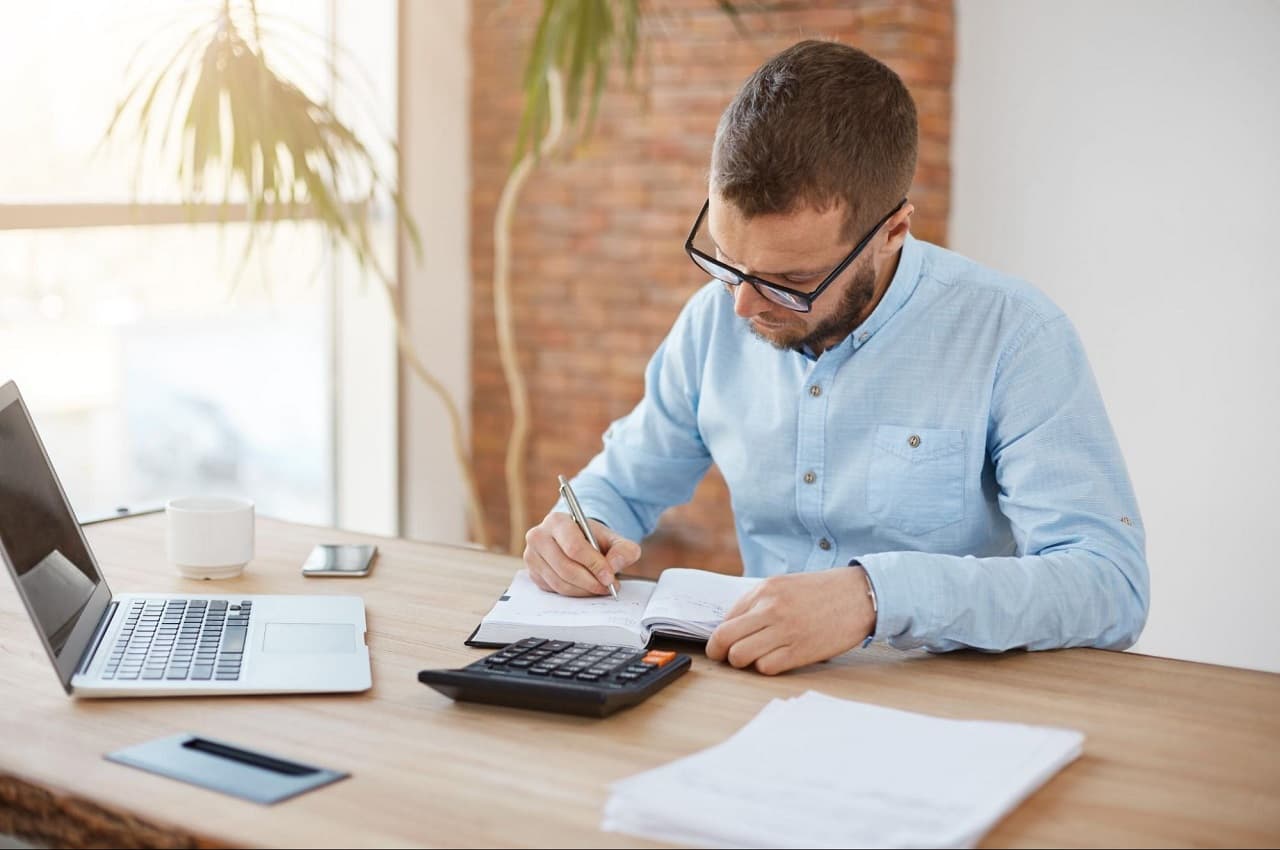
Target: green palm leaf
column 581, row 38
column 283, row 148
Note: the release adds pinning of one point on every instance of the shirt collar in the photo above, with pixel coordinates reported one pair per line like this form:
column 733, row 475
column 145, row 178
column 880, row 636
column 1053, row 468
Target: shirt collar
column 901, row 288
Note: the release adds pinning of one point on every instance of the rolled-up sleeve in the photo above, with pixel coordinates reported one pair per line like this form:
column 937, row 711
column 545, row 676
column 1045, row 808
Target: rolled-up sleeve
column 654, row 457
column 1079, row 574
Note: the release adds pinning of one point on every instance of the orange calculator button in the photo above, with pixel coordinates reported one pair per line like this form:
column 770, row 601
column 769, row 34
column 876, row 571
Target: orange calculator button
column 659, row 657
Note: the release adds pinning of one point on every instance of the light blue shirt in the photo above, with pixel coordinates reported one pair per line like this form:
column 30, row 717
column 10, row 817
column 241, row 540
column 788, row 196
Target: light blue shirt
column 955, row 444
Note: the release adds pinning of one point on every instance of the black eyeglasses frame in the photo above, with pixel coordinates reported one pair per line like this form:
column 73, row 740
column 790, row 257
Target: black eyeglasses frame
column 803, row 300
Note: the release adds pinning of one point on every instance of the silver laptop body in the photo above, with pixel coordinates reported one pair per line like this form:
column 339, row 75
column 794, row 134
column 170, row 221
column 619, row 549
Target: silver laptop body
column 149, row 644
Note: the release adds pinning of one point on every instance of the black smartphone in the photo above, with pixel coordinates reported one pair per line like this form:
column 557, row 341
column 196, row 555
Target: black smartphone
column 339, row 559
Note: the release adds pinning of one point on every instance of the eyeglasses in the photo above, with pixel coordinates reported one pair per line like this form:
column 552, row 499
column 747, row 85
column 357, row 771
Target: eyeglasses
column 792, row 299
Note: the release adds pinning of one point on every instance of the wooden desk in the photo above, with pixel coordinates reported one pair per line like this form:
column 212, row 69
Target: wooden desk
column 1176, row 754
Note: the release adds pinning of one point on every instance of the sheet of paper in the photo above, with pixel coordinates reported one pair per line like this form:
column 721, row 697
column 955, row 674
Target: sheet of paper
column 815, row 771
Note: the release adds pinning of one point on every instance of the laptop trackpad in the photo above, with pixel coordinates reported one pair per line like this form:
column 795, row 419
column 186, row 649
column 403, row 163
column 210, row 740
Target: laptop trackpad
column 310, row 637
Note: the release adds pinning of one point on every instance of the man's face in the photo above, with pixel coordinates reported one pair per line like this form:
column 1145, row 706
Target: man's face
column 797, row 250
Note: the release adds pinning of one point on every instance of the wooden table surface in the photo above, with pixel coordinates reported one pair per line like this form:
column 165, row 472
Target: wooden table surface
column 1177, row 754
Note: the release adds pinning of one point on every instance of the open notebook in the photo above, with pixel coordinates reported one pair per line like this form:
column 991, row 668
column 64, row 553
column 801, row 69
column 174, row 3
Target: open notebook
column 682, row 603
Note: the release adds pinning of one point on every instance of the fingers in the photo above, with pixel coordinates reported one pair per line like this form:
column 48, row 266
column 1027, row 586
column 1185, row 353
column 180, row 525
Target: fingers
column 535, row 574
column 559, row 558
column 547, row 579
column 751, row 634
column 745, row 602
column 733, row 630
column 756, row 647
column 788, row 621
column 777, row 661
column 620, row 552
column 573, row 543
column 567, row 570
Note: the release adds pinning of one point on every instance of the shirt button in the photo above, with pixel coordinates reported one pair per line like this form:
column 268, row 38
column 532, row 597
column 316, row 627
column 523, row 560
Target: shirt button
column 809, row 477
column 913, row 440
column 824, row 544
column 815, row 390
column 862, row 337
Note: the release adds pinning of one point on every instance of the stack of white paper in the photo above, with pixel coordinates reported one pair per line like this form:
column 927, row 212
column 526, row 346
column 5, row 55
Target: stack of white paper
column 815, row 771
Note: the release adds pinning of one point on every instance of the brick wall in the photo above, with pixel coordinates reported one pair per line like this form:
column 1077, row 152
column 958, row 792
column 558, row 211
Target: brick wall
column 598, row 267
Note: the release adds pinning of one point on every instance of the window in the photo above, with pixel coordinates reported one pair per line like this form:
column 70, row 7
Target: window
column 162, row 357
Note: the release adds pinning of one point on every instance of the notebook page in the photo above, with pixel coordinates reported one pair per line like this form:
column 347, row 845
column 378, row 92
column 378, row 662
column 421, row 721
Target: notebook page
column 527, row 604
column 694, row 602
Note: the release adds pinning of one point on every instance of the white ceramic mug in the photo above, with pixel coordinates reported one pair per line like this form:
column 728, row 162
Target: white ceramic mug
column 210, row 537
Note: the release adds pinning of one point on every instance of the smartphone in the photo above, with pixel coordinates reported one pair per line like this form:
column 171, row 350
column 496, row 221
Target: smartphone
column 339, row 559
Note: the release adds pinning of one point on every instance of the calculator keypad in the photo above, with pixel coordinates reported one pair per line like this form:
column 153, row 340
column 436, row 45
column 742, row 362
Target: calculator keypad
column 559, row 659
column 558, row 675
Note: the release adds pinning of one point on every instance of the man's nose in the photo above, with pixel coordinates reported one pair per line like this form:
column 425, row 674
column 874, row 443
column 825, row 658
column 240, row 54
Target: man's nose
column 747, row 302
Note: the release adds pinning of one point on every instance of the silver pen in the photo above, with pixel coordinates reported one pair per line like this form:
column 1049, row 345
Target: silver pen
column 580, row 518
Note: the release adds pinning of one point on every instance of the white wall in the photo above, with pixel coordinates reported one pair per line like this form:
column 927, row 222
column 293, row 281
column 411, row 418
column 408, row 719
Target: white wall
column 435, row 135
column 1125, row 157
column 365, row 388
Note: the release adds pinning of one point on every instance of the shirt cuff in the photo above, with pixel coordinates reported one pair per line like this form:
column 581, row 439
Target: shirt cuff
column 900, row 605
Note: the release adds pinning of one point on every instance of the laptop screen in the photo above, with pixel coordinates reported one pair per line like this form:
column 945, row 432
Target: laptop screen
column 38, row 532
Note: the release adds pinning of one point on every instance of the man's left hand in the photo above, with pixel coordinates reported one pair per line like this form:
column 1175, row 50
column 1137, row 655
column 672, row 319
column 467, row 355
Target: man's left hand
column 792, row 620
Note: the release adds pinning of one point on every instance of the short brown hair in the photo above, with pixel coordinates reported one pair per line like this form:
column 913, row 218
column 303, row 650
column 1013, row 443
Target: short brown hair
column 818, row 124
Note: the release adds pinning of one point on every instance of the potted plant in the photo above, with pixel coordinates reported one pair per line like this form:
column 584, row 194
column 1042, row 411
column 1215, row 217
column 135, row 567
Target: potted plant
column 246, row 128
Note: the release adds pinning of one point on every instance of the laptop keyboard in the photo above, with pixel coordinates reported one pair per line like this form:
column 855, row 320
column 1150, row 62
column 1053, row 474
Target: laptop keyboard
column 180, row 639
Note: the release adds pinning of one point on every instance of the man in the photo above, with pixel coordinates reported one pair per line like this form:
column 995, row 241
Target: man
column 914, row 445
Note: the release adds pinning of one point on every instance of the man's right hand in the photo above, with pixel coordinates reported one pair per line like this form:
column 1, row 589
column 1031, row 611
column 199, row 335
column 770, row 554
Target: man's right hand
column 561, row 560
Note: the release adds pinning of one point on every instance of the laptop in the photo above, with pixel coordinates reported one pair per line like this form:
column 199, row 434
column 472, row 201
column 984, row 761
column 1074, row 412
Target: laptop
column 104, row 644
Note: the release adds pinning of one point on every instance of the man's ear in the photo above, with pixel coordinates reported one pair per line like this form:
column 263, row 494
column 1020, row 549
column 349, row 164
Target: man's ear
column 897, row 228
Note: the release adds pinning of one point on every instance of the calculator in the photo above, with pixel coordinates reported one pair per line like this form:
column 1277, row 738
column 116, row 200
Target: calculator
column 558, row 675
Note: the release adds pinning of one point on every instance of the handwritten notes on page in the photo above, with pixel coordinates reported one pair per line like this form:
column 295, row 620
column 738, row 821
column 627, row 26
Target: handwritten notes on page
column 526, row 602
column 684, row 603
column 691, row 603
column 525, row 610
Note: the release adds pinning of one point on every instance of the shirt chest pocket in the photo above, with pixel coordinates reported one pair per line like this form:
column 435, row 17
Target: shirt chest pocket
column 915, row 481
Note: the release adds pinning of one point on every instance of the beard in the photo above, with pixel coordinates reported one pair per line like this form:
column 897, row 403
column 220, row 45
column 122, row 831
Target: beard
column 791, row 334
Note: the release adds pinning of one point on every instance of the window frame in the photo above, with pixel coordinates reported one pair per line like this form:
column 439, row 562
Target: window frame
column 346, row 416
